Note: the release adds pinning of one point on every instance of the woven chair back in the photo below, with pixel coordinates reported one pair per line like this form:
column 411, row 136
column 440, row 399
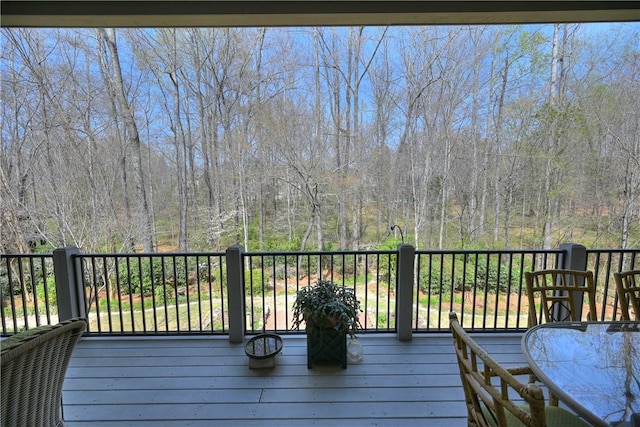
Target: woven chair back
column 559, row 295
column 628, row 289
column 33, row 366
column 489, row 387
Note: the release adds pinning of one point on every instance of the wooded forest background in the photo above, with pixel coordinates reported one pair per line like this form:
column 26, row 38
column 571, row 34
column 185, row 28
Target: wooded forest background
column 320, row 138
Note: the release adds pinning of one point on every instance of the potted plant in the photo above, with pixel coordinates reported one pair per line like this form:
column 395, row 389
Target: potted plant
column 329, row 312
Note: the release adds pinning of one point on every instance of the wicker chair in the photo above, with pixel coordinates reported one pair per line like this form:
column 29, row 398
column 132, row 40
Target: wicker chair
column 489, row 389
column 628, row 288
column 557, row 291
column 33, row 367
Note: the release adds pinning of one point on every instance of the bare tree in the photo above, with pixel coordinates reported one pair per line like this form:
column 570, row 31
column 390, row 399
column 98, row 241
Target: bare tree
column 108, row 38
column 385, row 96
column 201, row 138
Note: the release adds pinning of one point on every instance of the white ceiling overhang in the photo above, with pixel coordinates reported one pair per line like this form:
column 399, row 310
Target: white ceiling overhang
column 207, row 13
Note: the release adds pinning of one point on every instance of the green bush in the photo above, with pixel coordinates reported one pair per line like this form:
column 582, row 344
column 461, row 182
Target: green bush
column 135, row 276
column 308, row 265
column 493, row 277
column 141, row 276
column 432, row 280
column 163, row 293
column 6, row 289
column 208, row 273
column 51, row 292
column 254, row 282
column 388, row 266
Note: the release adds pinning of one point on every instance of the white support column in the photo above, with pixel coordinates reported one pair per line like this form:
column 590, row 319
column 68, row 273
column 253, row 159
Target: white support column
column 404, row 294
column 574, row 257
column 70, row 297
column 235, row 294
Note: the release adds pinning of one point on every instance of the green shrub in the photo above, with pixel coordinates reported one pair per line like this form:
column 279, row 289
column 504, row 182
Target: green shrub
column 493, row 277
column 388, row 268
column 490, row 274
column 142, row 276
column 433, row 279
column 6, row 289
column 308, row 265
column 135, row 276
column 51, row 294
column 254, row 282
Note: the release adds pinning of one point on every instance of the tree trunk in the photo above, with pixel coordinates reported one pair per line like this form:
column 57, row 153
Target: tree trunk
column 547, row 233
column 131, row 129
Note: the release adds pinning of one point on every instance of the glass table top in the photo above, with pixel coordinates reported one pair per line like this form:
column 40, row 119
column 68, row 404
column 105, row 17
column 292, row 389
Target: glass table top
column 593, row 367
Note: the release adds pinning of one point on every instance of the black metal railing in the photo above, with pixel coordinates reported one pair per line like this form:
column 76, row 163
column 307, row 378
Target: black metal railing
column 603, row 262
column 154, row 293
column 273, row 278
column 188, row 293
column 27, row 291
column 485, row 288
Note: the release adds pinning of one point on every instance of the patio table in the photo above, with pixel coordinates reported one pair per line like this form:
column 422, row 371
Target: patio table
column 593, row 367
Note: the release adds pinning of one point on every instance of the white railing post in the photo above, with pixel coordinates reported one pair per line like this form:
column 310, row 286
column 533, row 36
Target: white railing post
column 404, row 294
column 69, row 293
column 235, row 294
column 573, row 257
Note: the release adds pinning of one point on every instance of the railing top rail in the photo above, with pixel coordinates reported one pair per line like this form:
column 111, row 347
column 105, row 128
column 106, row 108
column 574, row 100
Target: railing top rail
column 298, row 253
column 293, row 253
column 47, row 255
column 606, row 251
column 491, row 251
column 149, row 254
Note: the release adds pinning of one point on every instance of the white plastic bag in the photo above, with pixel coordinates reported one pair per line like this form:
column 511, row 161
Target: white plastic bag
column 354, row 351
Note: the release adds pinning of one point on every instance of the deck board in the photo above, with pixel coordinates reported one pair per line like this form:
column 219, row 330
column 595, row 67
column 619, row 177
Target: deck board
column 198, row 381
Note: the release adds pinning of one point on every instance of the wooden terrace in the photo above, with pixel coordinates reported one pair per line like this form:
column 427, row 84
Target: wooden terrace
column 204, row 381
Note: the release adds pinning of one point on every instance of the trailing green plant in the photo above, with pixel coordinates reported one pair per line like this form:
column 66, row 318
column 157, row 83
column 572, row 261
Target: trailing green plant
column 327, row 305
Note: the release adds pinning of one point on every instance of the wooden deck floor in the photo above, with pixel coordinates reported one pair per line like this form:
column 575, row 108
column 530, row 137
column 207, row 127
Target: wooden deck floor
column 205, row 381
